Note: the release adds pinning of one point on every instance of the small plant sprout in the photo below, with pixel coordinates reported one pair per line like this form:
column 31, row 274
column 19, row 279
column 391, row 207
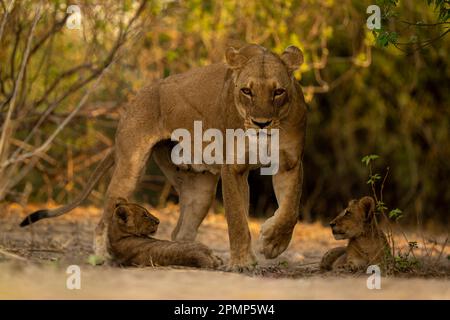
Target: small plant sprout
column 396, row 214
column 402, row 262
column 369, row 158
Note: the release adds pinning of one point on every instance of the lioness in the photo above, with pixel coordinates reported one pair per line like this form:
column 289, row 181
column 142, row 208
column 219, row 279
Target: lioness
column 131, row 243
column 254, row 89
column 367, row 243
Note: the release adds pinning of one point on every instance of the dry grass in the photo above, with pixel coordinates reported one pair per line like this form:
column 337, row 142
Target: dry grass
column 68, row 239
column 53, row 244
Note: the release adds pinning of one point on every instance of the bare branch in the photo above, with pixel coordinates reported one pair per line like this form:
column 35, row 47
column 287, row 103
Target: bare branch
column 5, row 17
column 12, row 102
column 47, row 143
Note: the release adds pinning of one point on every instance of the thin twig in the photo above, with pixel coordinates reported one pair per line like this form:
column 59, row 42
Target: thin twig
column 442, row 250
column 382, row 184
column 12, row 255
column 419, row 24
column 5, row 17
column 12, row 102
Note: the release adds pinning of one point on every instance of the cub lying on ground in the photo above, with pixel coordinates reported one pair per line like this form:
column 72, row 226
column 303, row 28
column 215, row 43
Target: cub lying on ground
column 131, row 243
column 367, row 243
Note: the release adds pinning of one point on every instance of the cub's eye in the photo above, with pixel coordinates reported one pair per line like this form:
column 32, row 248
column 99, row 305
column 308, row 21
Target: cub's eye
column 278, row 92
column 347, row 213
column 246, row 91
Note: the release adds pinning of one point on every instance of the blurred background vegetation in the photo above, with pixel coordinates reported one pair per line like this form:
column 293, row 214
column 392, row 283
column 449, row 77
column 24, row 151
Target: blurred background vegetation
column 384, row 92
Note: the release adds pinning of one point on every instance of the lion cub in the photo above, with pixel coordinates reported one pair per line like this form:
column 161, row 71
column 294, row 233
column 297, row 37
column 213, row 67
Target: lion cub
column 131, row 243
column 367, row 243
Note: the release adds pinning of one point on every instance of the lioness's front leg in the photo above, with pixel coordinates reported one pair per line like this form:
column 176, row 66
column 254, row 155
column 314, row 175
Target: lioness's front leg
column 276, row 232
column 236, row 197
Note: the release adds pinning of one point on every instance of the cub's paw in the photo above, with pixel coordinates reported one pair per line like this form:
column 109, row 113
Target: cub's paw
column 348, row 268
column 202, row 257
column 274, row 238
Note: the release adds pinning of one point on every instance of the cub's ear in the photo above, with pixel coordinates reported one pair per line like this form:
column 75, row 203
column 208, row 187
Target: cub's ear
column 237, row 58
column 369, row 206
column 120, row 201
column 122, row 214
column 292, row 58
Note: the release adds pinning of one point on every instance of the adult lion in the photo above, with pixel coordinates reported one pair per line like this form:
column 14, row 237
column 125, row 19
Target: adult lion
column 256, row 89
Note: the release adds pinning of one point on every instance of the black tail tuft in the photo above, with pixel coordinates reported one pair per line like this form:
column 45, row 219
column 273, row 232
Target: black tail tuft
column 35, row 216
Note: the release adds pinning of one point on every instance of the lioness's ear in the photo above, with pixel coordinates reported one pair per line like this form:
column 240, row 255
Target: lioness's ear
column 292, row 58
column 237, row 58
column 369, row 206
column 122, row 213
column 120, row 201
column 234, row 58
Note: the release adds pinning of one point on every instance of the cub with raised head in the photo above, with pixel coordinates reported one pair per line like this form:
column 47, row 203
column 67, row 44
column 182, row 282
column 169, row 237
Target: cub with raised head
column 367, row 243
column 132, row 244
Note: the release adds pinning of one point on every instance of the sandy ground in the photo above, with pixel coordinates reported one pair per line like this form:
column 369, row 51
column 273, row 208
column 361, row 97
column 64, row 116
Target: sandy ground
column 33, row 264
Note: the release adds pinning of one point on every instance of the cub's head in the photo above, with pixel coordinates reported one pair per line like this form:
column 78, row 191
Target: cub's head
column 354, row 220
column 134, row 219
column 264, row 84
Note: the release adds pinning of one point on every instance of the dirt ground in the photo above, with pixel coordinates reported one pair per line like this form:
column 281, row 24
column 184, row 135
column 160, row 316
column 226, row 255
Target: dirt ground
column 33, row 263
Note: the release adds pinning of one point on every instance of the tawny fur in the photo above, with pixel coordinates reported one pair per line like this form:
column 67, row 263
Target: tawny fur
column 216, row 95
column 132, row 244
column 367, row 243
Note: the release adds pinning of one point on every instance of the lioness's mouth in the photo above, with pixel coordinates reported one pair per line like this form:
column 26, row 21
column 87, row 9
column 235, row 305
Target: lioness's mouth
column 259, row 131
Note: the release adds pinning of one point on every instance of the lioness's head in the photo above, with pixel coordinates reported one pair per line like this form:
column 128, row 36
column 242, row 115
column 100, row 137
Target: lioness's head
column 354, row 220
column 134, row 219
column 263, row 83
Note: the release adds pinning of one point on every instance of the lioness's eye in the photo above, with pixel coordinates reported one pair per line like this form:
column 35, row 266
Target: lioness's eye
column 246, row 91
column 347, row 212
column 279, row 92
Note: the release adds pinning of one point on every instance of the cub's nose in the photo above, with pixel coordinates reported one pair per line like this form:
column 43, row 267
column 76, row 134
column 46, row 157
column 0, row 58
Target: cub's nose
column 332, row 224
column 262, row 124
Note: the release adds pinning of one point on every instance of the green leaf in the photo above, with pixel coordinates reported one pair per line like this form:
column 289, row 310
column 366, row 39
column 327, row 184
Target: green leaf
column 396, row 214
column 381, row 206
column 373, row 178
column 283, row 264
column 95, row 260
column 369, row 158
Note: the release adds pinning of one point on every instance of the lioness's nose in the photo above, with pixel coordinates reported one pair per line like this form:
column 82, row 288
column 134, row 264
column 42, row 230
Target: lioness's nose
column 262, row 124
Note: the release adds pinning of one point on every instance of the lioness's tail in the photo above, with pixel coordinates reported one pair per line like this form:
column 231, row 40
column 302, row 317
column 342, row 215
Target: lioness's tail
column 99, row 172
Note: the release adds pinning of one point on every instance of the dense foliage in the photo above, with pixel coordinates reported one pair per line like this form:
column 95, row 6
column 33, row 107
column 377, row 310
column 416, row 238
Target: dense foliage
column 383, row 92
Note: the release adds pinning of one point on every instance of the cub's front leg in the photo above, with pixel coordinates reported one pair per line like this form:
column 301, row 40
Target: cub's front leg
column 194, row 254
column 174, row 253
column 330, row 257
column 345, row 263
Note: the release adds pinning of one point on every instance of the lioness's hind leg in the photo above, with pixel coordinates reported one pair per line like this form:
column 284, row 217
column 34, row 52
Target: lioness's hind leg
column 134, row 144
column 196, row 191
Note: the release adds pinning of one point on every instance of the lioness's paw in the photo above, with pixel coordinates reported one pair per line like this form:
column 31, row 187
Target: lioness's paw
column 274, row 238
column 241, row 268
column 242, row 264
